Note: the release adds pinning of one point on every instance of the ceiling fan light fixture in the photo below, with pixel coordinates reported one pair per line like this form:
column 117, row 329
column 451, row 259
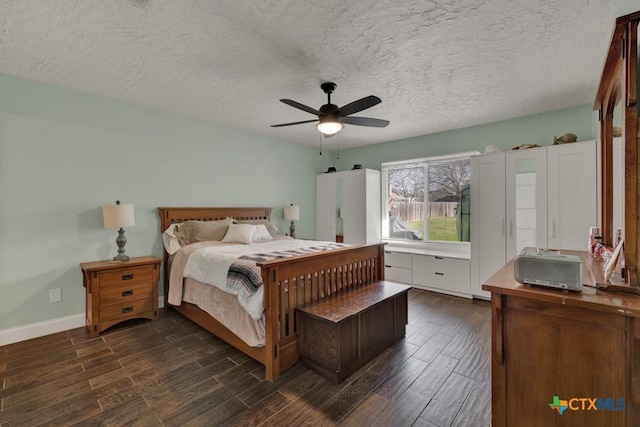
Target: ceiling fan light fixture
column 329, row 126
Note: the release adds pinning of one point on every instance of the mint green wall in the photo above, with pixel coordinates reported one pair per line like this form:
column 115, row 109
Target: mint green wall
column 625, row 7
column 64, row 154
column 538, row 129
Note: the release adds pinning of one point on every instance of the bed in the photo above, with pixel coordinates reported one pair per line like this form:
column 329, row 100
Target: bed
column 287, row 282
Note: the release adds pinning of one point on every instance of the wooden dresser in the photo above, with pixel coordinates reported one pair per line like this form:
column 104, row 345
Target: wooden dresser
column 339, row 334
column 554, row 349
column 120, row 291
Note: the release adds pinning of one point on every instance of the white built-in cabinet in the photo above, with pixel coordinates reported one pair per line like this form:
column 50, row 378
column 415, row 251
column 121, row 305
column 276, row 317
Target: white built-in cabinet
column 444, row 274
column 488, row 219
column 440, row 273
column 540, row 197
column 348, row 206
column 398, row 267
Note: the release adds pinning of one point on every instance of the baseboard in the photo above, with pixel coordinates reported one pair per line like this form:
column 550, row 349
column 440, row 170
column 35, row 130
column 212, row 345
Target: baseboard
column 47, row 327
column 39, row 329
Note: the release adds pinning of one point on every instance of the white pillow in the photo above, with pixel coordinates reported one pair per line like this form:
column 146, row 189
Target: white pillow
column 239, row 233
column 261, row 234
column 171, row 243
column 271, row 228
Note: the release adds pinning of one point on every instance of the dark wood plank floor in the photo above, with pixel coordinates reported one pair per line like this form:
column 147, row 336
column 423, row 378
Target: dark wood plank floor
column 173, row 373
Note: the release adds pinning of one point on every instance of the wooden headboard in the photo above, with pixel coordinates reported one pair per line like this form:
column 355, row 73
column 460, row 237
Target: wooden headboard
column 172, row 215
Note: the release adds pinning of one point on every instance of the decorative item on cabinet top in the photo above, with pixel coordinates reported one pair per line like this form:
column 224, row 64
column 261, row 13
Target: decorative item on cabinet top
column 525, row 146
column 491, row 149
column 567, row 138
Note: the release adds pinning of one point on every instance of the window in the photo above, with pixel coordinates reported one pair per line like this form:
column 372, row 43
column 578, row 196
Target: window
column 427, row 199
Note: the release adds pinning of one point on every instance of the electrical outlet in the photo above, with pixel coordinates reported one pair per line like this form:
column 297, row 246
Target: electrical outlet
column 55, row 295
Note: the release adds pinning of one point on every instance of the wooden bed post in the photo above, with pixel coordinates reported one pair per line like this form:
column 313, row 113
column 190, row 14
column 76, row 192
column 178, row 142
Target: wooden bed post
column 380, row 264
column 271, row 313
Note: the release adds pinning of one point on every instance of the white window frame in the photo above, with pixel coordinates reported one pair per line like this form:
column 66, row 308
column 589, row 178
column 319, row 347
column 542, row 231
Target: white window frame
column 431, row 245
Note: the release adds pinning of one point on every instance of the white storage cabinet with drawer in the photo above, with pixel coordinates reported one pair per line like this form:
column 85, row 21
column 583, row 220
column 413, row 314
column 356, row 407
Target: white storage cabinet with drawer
column 449, row 275
column 397, row 267
column 442, row 274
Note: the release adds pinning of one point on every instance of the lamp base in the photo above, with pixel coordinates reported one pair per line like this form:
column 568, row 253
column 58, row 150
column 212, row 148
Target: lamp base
column 292, row 230
column 121, row 241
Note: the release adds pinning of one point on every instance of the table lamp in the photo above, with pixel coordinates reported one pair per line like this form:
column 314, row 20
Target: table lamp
column 292, row 213
column 119, row 216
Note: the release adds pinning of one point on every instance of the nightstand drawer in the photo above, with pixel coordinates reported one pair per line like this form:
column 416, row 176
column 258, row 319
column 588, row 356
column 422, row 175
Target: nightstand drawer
column 126, row 276
column 124, row 293
column 126, row 309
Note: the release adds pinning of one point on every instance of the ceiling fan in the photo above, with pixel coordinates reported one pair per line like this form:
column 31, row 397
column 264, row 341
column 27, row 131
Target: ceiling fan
column 331, row 118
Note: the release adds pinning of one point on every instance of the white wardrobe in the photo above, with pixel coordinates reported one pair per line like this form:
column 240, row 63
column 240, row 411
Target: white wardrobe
column 348, row 206
column 541, row 197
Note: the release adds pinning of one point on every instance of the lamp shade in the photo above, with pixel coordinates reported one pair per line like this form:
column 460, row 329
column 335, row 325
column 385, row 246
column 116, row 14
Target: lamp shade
column 292, row 213
column 118, row 216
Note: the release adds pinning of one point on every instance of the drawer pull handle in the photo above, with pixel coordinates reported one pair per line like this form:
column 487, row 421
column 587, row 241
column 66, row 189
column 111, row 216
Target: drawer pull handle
column 439, row 257
column 127, row 293
column 127, row 276
column 440, row 274
column 128, row 309
column 388, row 266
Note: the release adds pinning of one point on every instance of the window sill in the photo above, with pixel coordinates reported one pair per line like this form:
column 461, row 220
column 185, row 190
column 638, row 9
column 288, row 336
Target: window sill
column 458, row 250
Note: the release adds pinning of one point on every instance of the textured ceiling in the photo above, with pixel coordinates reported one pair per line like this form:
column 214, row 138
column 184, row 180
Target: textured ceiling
column 437, row 65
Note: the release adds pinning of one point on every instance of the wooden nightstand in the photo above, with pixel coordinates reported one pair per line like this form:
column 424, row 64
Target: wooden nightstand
column 120, row 291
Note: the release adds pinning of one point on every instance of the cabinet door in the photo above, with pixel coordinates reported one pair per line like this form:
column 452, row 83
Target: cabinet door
column 526, row 200
column 354, row 204
column 373, row 207
column 397, row 267
column 448, row 274
column 488, row 249
column 572, row 183
column 326, row 208
column 540, row 360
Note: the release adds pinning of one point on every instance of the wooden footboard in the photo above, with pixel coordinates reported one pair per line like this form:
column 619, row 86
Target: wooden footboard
column 288, row 282
column 292, row 282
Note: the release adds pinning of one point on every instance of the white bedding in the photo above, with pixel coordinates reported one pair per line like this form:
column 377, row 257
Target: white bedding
column 209, row 263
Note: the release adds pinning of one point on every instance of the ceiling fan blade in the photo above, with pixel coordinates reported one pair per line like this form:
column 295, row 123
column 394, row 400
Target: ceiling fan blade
column 293, row 123
column 302, row 107
column 359, row 105
column 365, row 121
